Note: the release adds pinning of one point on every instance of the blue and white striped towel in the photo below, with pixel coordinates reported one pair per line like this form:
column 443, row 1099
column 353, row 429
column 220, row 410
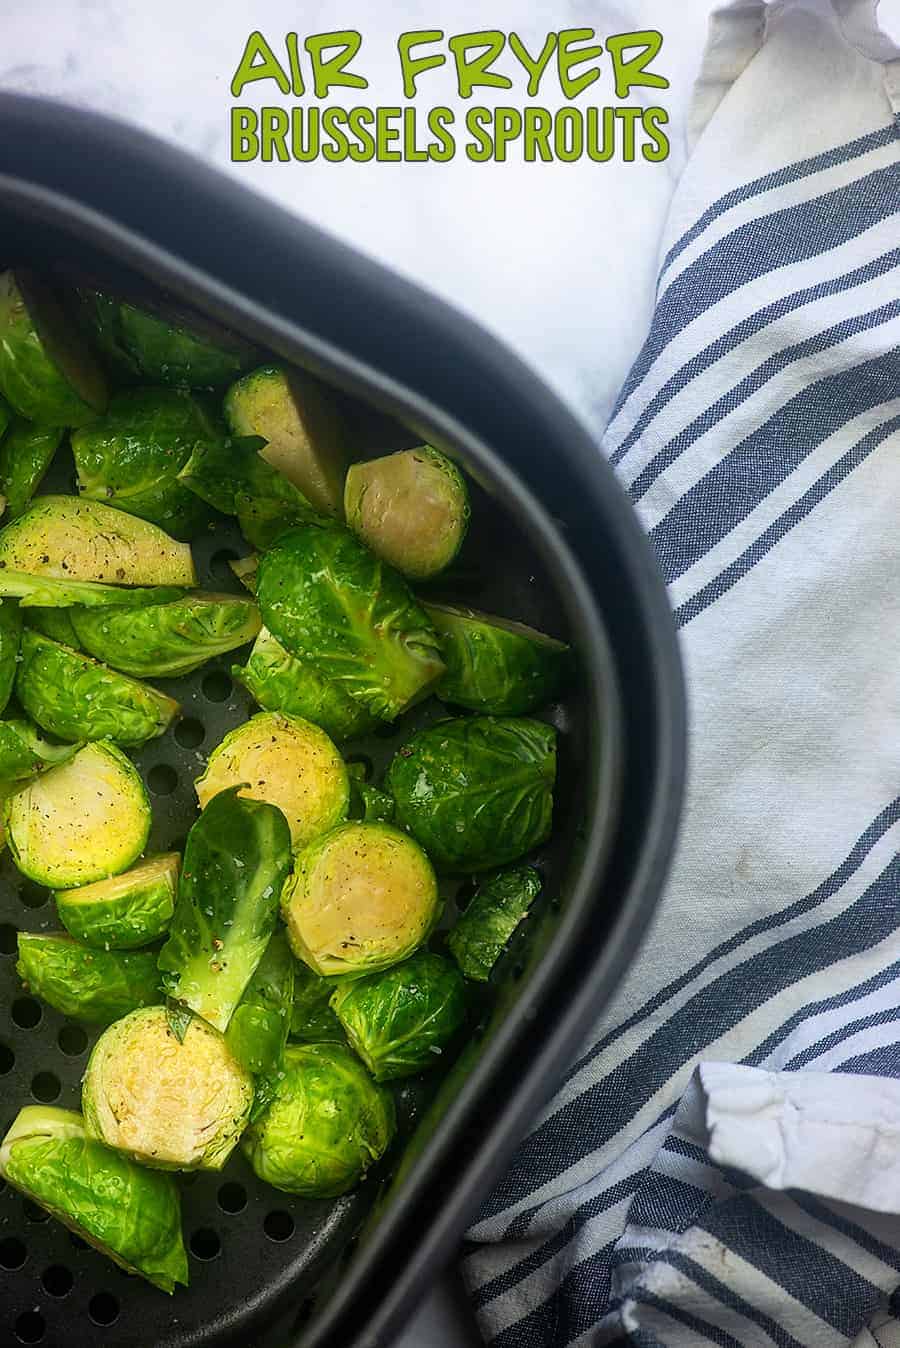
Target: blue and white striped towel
column 723, row 1162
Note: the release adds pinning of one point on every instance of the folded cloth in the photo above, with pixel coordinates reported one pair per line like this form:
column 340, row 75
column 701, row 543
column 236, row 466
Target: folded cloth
column 722, row 1163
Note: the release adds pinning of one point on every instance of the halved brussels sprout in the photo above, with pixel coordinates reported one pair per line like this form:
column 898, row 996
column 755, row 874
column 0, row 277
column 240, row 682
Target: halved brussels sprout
column 411, row 508
column 236, row 860
column 10, row 640
column 54, row 623
column 68, row 538
column 258, row 1029
column 302, row 430
column 131, row 456
column 326, row 1125
column 287, row 761
column 171, row 1104
column 24, row 753
column 125, row 911
column 401, row 1020
column 476, row 792
column 164, row 343
column 25, row 456
column 496, row 666
column 81, row 821
column 233, row 477
column 245, row 569
column 498, row 906
column 312, row 1019
column 130, row 1214
column 280, row 682
column 361, row 898
column 330, row 601
column 165, row 640
column 72, row 696
column 46, row 371
column 97, row 986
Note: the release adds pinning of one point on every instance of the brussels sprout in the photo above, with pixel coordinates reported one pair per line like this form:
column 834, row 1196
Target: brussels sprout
column 46, row 592
column 401, row 1020
column 287, row 761
column 54, row 623
column 6, row 416
column 164, row 343
column 236, row 860
column 97, row 986
column 130, row 1214
column 498, row 906
column 25, row 456
column 10, row 640
column 326, row 1125
column 330, row 601
column 131, row 456
column 245, row 569
column 24, row 753
column 361, row 898
column 411, row 508
column 367, row 802
column 312, row 1018
column 76, row 698
column 476, row 792
column 124, row 911
column 66, row 538
column 171, row 1104
column 258, row 1030
column 302, row 430
column 81, row 821
column 232, row 476
column 47, row 373
column 164, row 640
column 496, row 666
column 279, row 682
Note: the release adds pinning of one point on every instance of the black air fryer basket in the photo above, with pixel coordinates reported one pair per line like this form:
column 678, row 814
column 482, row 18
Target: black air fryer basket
column 554, row 543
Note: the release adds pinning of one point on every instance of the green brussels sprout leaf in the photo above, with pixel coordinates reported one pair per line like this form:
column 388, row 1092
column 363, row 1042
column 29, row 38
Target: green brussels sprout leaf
column 496, row 909
column 54, row 623
column 47, row 592
column 25, row 456
column 312, row 1018
column 258, row 1029
column 97, row 986
column 24, row 753
column 166, row 640
column 10, row 641
column 232, row 476
column 47, row 372
column 178, row 1017
column 502, row 668
column 367, row 802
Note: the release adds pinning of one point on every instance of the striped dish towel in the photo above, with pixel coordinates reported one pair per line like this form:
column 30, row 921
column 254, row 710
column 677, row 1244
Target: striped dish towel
column 722, row 1163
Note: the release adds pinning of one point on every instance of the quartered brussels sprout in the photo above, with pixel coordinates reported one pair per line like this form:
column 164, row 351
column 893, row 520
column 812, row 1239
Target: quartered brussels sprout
column 401, row 1020
column 165, row 640
column 81, row 821
column 312, row 1018
column 67, row 538
column 476, row 792
column 54, row 623
column 130, row 1214
column 236, row 860
column 496, row 666
column 326, row 1125
column 24, row 753
column 168, row 1103
column 25, row 455
column 280, row 682
column 163, row 343
column 287, row 761
column 302, row 430
column 10, row 640
column 72, row 696
column 411, row 508
column 97, row 986
column 125, row 911
column 370, row 804
column 132, row 455
column 498, row 906
column 232, row 476
column 47, row 373
column 361, row 898
column 330, row 601
column 259, row 1027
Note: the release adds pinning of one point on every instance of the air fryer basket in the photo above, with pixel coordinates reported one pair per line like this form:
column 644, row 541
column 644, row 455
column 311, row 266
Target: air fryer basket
column 81, row 192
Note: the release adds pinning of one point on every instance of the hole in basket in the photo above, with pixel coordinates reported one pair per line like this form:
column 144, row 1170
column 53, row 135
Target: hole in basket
column 7, row 1059
column 26, row 1013
column 33, row 1213
column 103, row 1309
column 279, row 1225
column 189, row 733
column 32, row 895
column 45, row 1087
column 205, row 1244
column 30, row 1327
column 58, row 1280
column 72, row 1039
column 12, row 1253
column 465, row 894
column 162, row 779
column 232, row 1197
column 8, row 942
column 217, row 686
column 218, row 564
column 385, row 730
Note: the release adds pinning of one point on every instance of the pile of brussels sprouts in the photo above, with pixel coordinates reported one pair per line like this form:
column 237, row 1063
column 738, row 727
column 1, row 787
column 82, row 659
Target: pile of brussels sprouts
column 261, row 988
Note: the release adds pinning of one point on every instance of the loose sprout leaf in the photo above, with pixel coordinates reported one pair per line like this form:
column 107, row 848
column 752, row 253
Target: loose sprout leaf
column 10, row 640
column 55, row 623
column 97, row 986
column 178, row 1018
column 312, row 1018
column 47, row 371
column 495, row 666
column 331, row 602
column 498, row 906
column 232, row 476
column 24, row 753
column 47, row 592
column 169, row 639
column 367, row 802
column 236, row 860
column 258, row 1029
column 25, row 455
column 476, row 792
